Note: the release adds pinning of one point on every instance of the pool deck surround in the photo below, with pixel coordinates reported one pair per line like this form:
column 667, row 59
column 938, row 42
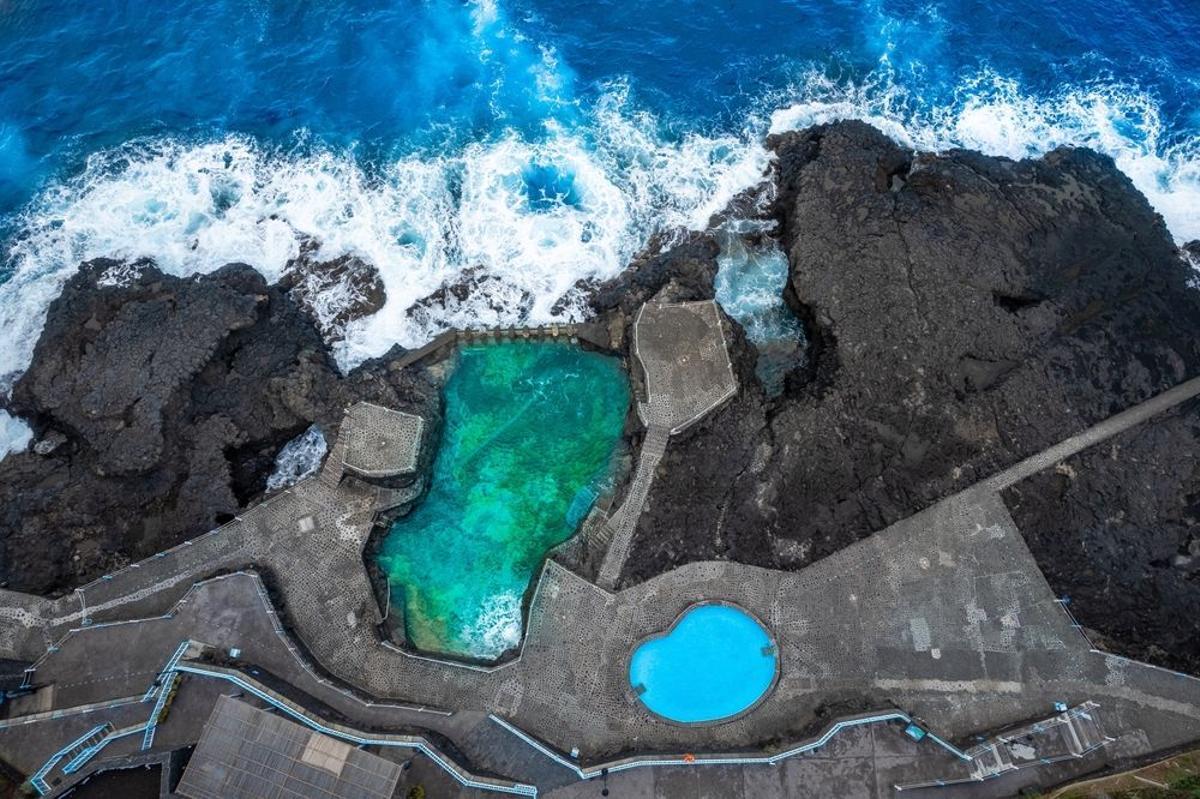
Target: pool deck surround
column 941, row 620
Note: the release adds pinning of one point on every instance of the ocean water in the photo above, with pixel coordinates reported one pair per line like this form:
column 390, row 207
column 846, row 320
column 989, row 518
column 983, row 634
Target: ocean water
column 750, row 280
column 15, row 435
column 542, row 141
column 299, row 458
column 531, row 432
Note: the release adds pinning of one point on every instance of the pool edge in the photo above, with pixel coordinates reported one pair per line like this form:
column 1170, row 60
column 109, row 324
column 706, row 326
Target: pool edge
column 636, row 700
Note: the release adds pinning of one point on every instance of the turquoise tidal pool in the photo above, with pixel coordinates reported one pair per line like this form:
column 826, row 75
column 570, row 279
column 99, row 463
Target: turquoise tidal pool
column 714, row 663
column 531, row 434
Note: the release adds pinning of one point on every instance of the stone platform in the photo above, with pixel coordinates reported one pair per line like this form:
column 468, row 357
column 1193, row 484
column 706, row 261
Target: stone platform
column 943, row 615
column 682, row 352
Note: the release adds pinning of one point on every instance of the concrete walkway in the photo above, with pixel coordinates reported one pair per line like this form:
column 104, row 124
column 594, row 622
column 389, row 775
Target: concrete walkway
column 682, row 351
column 620, row 527
column 944, row 614
column 1108, row 428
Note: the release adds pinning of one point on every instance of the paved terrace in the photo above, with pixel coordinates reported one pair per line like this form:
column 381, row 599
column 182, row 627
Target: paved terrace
column 944, row 615
column 681, row 349
column 309, row 538
column 380, row 442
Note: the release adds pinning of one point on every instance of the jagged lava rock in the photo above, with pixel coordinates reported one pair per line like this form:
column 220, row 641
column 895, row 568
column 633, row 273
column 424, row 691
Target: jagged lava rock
column 334, row 292
column 1116, row 530
column 166, row 400
column 962, row 312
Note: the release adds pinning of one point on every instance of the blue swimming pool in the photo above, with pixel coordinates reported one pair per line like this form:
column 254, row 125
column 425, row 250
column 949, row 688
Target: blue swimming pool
column 714, row 663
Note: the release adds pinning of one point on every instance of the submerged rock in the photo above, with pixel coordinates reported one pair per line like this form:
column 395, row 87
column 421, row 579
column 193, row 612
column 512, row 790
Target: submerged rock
column 162, row 403
column 962, row 312
column 333, row 292
column 472, row 298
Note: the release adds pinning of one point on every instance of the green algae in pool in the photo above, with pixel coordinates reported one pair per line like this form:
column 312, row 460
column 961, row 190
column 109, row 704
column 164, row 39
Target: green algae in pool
column 530, row 437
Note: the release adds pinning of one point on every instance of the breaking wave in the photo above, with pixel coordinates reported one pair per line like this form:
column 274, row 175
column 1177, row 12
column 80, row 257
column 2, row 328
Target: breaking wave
column 497, row 629
column 535, row 212
column 991, row 113
column 539, row 214
column 15, row 435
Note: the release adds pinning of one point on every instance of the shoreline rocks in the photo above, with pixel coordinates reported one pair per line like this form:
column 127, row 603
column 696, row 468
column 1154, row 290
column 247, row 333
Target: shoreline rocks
column 333, row 293
column 158, row 405
column 962, row 312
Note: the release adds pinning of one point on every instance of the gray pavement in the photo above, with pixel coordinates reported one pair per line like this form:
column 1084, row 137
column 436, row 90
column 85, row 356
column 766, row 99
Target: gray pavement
column 682, row 351
column 381, row 442
column 1108, row 428
column 944, row 615
column 681, row 348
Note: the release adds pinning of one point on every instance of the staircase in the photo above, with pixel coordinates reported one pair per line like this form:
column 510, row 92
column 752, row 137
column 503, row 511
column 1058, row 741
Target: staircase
column 1082, row 730
column 619, row 529
column 80, row 746
column 989, row 760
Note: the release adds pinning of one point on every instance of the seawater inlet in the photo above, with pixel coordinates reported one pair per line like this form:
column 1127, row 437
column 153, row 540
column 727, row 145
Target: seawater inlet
column 532, row 429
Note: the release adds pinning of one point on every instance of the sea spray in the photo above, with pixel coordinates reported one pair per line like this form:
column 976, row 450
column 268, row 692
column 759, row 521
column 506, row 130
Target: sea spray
column 299, row 458
column 992, row 113
column 15, row 435
column 421, row 220
column 412, row 135
column 749, row 285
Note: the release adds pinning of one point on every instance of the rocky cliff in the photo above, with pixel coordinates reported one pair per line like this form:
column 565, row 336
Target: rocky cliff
column 159, row 404
column 962, row 312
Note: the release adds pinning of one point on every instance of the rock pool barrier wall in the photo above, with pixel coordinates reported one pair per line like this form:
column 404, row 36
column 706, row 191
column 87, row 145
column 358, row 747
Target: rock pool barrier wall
column 591, row 333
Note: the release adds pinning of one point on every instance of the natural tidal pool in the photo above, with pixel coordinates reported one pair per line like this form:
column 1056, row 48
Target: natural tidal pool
column 749, row 286
column 532, row 431
column 714, row 663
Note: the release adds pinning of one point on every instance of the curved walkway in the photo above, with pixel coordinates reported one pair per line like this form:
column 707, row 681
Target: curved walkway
column 683, row 354
column 944, row 614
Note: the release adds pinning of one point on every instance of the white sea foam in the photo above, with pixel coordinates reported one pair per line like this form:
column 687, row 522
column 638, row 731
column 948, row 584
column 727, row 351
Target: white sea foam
column 423, row 219
column 15, row 435
column 497, row 628
column 992, row 114
column 420, row 220
column 749, row 285
column 298, row 459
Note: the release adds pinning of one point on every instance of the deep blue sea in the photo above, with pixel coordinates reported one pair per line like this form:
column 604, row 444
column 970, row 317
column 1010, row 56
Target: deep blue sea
column 541, row 140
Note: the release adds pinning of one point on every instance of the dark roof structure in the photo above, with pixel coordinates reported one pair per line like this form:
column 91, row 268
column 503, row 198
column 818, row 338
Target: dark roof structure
column 247, row 753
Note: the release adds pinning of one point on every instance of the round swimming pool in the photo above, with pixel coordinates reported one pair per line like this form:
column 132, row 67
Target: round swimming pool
column 716, row 662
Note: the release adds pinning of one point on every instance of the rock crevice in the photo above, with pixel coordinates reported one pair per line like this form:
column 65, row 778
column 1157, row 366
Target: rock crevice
column 963, row 312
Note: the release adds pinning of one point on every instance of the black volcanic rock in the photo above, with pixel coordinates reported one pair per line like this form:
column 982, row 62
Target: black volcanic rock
column 162, row 404
column 1116, row 529
column 962, row 312
column 333, row 292
column 472, row 293
column 1191, row 251
column 686, row 269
